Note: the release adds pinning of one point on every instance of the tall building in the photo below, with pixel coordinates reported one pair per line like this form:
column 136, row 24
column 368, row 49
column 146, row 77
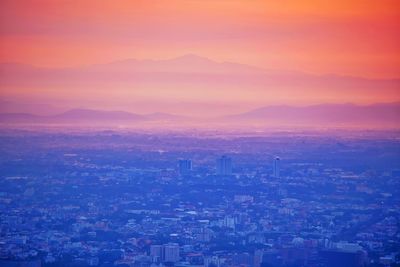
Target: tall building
column 157, row 253
column 276, row 167
column 165, row 253
column 171, row 252
column 229, row 222
column 224, row 165
column 185, row 166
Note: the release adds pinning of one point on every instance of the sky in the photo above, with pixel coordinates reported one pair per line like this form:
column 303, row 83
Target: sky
column 347, row 38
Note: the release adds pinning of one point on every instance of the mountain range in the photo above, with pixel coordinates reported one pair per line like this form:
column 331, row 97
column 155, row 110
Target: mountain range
column 387, row 114
column 87, row 116
column 170, row 84
column 188, row 68
column 192, row 86
column 377, row 115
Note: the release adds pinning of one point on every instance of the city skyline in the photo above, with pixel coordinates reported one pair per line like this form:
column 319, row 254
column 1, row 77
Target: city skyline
column 199, row 133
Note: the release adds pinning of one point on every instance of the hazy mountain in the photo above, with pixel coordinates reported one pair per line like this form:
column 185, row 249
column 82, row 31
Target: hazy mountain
column 29, row 107
column 164, row 116
column 324, row 114
column 95, row 115
column 189, row 63
column 87, row 116
column 19, row 118
column 188, row 69
column 212, row 88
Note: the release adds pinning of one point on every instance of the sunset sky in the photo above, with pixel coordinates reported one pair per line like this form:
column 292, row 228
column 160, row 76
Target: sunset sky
column 351, row 38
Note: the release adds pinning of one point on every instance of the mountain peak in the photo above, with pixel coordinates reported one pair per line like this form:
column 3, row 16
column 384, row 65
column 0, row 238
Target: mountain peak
column 81, row 114
column 190, row 57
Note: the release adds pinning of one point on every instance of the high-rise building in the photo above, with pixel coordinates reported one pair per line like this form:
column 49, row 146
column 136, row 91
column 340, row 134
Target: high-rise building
column 157, row 253
column 275, row 167
column 224, row 165
column 185, row 166
column 171, row 252
column 229, row 222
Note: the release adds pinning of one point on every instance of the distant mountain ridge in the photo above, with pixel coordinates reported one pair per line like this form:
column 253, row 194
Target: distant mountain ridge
column 90, row 114
column 185, row 81
column 87, row 115
column 187, row 68
column 385, row 115
column 172, row 83
column 324, row 114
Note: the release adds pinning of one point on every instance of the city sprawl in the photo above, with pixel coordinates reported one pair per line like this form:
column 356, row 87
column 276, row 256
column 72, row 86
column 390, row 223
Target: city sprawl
column 109, row 198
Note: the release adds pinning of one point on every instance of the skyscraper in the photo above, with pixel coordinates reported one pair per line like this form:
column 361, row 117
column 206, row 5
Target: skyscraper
column 185, row 166
column 275, row 168
column 157, row 253
column 224, row 165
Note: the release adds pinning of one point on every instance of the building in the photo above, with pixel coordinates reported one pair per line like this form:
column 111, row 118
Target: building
column 165, row 253
column 276, row 167
column 184, row 166
column 224, row 165
column 212, row 261
column 171, row 252
column 229, row 222
column 157, row 253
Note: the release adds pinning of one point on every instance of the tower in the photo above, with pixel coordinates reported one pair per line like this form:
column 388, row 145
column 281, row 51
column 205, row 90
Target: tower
column 184, row 166
column 157, row 253
column 275, row 167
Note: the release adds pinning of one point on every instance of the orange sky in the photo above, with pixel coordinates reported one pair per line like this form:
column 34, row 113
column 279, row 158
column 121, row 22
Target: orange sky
column 353, row 37
column 344, row 37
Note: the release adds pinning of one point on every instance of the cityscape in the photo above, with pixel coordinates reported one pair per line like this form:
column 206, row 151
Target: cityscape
column 199, row 133
column 130, row 199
